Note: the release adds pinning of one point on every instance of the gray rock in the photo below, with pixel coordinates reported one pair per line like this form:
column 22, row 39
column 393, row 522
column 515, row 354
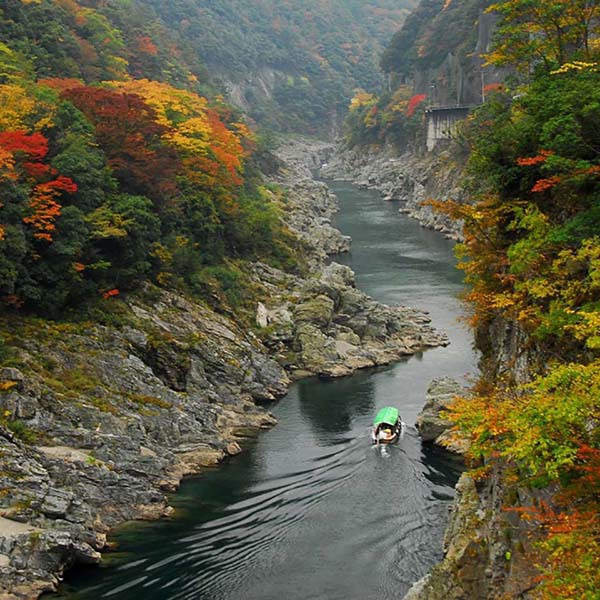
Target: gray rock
column 317, row 310
column 430, row 422
column 56, row 503
column 125, row 412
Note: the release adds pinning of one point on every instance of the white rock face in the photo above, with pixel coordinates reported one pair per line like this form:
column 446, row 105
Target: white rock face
column 410, row 178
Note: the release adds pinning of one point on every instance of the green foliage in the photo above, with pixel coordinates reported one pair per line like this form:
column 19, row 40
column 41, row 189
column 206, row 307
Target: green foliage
column 320, row 51
column 532, row 256
column 432, row 31
column 108, row 185
column 22, row 432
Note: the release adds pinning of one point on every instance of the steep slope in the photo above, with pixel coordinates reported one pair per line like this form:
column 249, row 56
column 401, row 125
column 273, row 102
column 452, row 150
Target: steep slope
column 292, row 65
column 439, row 50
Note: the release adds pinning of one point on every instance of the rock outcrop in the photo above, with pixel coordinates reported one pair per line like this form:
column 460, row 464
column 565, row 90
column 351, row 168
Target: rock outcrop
column 329, row 328
column 105, row 420
column 99, row 420
column 487, row 545
column 487, row 548
column 410, row 178
column 431, row 423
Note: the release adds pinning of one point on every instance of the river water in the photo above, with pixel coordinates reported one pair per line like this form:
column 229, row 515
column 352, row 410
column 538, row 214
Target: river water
column 311, row 510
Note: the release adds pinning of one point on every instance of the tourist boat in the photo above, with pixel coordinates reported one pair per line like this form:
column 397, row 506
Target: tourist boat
column 386, row 426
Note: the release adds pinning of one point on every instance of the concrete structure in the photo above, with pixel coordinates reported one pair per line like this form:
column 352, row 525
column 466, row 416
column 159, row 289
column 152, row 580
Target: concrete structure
column 442, row 122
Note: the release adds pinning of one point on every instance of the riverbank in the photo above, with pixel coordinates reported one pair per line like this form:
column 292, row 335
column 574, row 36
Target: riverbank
column 107, row 418
column 409, row 177
column 487, row 549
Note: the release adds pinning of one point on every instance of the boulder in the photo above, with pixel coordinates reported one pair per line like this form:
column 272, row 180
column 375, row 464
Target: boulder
column 317, row 310
column 432, row 426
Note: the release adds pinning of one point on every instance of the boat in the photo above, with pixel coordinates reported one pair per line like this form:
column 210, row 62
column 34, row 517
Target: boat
column 386, row 426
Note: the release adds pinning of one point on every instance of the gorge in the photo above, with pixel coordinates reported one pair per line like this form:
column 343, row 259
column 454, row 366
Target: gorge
column 302, row 496
column 173, row 281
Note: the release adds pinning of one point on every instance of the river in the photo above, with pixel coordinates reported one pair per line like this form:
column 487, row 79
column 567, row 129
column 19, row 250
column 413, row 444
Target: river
column 311, row 510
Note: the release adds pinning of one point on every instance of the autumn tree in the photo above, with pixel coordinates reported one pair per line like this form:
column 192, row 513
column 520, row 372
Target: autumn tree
column 131, row 135
column 549, row 33
column 531, row 254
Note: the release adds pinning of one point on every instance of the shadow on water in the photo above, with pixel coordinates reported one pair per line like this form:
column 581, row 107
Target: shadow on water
column 311, row 510
column 330, row 407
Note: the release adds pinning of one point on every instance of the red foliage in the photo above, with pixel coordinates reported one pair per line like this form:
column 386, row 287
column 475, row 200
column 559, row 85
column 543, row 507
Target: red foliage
column 413, row 103
column 546, row 184
column 111, row 293
column 44, row 207
column 37, row 170
column 33, row 146
column 128, row 131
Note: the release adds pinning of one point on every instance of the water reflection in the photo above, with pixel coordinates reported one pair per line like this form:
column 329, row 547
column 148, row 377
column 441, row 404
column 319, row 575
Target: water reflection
column 312, row 509
column 330, row 407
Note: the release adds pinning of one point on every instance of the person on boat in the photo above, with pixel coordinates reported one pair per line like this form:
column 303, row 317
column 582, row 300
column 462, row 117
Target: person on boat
column 384, row 433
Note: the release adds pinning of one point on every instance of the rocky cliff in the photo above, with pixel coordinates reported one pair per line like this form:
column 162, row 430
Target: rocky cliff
column 488, row 547
column 410, row 177
column 100, row 419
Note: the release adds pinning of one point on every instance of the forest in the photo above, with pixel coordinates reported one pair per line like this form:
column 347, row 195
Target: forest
column 317, row 52
column 531, row 256
column 120, row 160
column 107, row 180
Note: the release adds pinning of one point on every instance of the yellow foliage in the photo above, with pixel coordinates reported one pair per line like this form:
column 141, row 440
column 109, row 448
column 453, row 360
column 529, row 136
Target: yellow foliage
column 164, row 255
column 362, row 98
column 20, row 110
column 6, row 386
column 587, row 329
column 15, row 106
column 192, row 135
column 193, row 127
column 171, row 104
column 577, row 65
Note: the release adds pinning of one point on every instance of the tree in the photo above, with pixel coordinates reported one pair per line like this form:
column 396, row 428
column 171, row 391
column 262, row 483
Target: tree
column 549, row 33
column 129, row 132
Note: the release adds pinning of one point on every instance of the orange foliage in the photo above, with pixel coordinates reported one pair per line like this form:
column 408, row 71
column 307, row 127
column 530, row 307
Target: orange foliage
column 491, row 88
column 534, row 160
column 546, row 184
column 61, row 85
column 413, row 103
column 45, row 207
column 111, row 294
column 146, row 45
column 7, row 164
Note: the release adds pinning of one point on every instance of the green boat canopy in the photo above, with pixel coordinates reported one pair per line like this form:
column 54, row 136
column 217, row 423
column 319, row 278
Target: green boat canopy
column 388, row 415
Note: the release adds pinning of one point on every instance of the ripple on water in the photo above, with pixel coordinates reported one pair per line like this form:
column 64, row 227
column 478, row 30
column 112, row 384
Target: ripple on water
column 313, row 510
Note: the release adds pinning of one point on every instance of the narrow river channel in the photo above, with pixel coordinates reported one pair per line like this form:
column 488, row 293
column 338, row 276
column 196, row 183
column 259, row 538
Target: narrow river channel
column 312, row 510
